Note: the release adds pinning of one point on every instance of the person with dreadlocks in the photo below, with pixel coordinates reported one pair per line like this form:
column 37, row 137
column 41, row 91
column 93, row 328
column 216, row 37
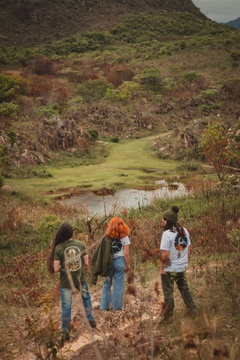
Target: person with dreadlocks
column 68, row 256
column 175, row 246
column 110, row 259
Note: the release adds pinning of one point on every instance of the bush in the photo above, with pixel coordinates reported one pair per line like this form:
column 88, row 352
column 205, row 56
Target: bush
column 190, row 77
column 93, row 134
column 126, row 90
column 208, row 94
column 47, row 227
column 93, row 90
column 2, row 180
column 115, row 139
column 152, row 81
column 12, row 136
column 111, row 95
column 11, row 85
column 8, row 109
column 189, row 166
column 7, row 87
column 48, row 110
column 41, row 66
column 75, row 101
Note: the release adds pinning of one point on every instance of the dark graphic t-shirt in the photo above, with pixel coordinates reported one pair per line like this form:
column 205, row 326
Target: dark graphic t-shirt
column 116, row 245
column 70, row 253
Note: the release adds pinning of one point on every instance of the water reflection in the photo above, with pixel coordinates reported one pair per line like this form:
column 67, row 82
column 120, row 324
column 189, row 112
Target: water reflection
column 90, row 204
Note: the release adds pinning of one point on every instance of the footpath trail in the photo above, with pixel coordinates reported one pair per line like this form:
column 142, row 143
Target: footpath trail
column 123, row 334
column 125, row 164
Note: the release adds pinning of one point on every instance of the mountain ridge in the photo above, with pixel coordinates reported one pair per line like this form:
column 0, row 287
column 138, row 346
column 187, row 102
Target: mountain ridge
column 28, row 23
column 234, row 23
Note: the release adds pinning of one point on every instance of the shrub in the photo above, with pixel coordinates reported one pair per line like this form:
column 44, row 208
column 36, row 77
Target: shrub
column 8, row 109
column 189, row 77
column 152, row 81
column 115, row 139
column 47, row 227
column 2, row 180
column 118, row 75
column 93, row 90
column 126, row 90
column 189, row 166
column 214, row 106
column 7, row 87
column 2, row 150
column 208, row 94
column 47, row 111
column 158, row 98
column 11, row 85
column 41, row 66
column 93, row 134
column 75, row 101
column 111, row 95
column 12, row 136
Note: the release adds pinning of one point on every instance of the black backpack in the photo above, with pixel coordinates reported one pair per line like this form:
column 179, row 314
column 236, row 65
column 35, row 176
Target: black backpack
column 116, row 245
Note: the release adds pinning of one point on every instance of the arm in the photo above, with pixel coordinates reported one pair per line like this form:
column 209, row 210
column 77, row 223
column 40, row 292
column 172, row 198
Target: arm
column 164, row 261
column 126, row 255
column 189, row 253
column 56, row 266
column 86, row 260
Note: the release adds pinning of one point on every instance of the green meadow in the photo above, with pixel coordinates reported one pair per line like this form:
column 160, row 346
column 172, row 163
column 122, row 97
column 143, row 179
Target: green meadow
column 127, row 165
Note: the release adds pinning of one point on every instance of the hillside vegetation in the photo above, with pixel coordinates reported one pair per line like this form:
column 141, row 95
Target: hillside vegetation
column 81, row 99
column 24, row 22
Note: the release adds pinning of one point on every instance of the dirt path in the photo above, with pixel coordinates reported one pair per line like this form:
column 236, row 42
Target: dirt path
column 116, row 332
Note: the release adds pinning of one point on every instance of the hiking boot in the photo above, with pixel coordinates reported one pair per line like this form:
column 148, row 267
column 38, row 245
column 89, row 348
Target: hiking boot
column 167, row 320
column 92, row 323
column 191, row 312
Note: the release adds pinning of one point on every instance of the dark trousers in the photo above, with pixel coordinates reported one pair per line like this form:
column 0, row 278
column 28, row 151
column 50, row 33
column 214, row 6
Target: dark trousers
column 168, row 285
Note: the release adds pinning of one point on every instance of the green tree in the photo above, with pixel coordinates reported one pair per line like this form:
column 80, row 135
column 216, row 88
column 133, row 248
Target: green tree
column 190, row 77
column 215, row 145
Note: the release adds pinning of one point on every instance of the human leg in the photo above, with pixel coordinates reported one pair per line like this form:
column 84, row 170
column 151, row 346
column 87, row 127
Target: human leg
column 87, row 303
column 182, row 284
column 119, row 283
column 168, row 286
column 66, row 302
column 106, row 291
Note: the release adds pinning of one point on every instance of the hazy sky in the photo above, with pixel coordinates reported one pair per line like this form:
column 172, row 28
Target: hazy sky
column 219, row 10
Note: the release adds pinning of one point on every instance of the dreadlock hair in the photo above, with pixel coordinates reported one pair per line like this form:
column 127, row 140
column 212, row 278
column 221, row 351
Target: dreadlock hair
column 64, row 233
column 169, row 226
column 117, row 229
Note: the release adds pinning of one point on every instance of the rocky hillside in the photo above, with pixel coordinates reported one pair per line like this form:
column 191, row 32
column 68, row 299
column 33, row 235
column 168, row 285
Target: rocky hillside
column 28, row 23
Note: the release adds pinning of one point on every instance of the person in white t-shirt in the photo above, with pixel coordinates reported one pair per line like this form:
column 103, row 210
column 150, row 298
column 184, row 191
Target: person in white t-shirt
column 118, row 232
column 175, row 246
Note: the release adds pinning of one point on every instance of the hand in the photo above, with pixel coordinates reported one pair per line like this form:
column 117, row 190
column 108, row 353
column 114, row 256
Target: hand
column 162, row 270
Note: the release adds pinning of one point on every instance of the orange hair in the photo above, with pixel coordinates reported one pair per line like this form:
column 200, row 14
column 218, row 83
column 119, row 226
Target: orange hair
column 117, row 229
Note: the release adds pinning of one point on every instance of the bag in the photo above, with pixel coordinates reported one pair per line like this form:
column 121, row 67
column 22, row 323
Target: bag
column 116, row 245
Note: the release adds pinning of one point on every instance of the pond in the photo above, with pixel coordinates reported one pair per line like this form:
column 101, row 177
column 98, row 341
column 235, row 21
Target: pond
column 90, row 204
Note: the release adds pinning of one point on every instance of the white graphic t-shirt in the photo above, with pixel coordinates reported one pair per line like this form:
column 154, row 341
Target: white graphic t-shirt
column 124, row 241
column 178, row 249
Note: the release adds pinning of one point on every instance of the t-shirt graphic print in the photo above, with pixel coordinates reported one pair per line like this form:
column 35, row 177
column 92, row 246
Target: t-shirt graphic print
column 180, row 242
column 72, row 256
column 116, row 245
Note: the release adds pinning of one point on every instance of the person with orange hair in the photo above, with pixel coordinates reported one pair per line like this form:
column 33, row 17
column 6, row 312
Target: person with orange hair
column 116, row 236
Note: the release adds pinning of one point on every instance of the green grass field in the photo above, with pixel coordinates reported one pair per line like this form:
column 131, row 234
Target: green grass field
column 127, row 157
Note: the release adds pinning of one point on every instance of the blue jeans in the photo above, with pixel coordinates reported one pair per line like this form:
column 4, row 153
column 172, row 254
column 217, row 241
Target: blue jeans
column 66, row 302
column 116, row 273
